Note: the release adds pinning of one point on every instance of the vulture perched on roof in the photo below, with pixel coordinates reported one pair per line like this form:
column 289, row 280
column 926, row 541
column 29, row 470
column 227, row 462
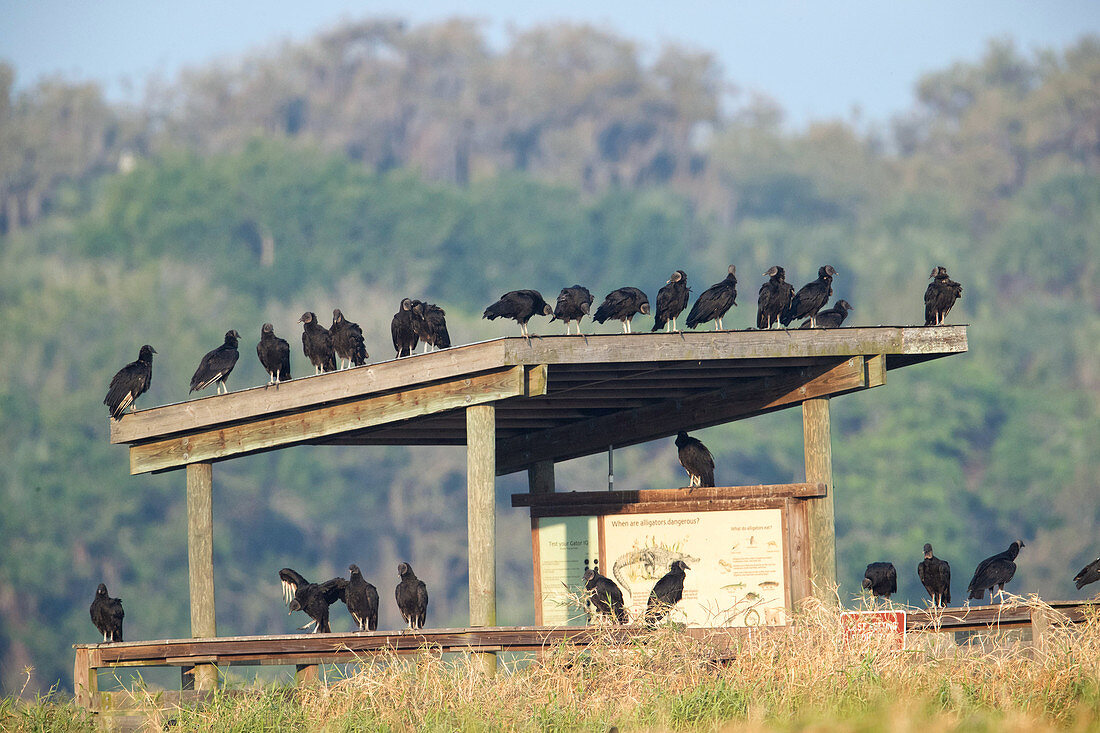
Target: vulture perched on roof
column 130, row 382
column 715, row 301
column 994, row 571
column 274, row 354
column 831, row 318
column 666, row 593
column 604, row 595
column 775, row 297
column 430, row 324
column 671, row 301
column 401, row 328
column 347, row 341
column 1089, row 574
column 362, row 600
column 412, row 597
column 519, row 305
column 217, row 364
column 107, row 614
column 811, row 298
column 573, row 304
column 317, row 344
column 622, row 305
column 881, row 579
column 696, row 459
column 941, row 294
column 312, row 598
column 935, row 576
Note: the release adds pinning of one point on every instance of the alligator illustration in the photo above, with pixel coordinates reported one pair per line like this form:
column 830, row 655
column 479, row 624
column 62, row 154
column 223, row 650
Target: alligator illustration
column 654, row 562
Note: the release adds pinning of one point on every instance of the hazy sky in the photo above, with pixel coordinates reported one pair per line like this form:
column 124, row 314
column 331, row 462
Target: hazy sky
column 818, row 59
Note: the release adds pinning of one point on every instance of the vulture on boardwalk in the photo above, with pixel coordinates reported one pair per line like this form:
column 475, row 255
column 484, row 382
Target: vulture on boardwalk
column 994, row 571
column 666, row 593
column 107, row 614
column 671, row 301
column 217, row 364
column 715, row 301
column 1089, row 574
column 312, row 598
column 130, row 382
column 402, row 330
column 622, row 305
column 573, row 304
column 811, row 298
column 274, row 354
column 519, row 305
column 602, row 593
column 430, row 324
column 881, row 579
column 940, row 296
column 412, row 597
column 935, row 576
column 362, row 600
column 696, row 459
column 831, row 318
column 775, row 298
column 317, row 344
column 347, row 341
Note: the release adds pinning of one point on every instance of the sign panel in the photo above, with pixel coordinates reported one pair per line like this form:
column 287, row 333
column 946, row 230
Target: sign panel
column 860, row 627
column 566, row 547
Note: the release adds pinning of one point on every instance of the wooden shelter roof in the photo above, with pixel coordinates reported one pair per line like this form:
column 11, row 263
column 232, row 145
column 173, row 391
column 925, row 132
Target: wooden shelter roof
column 556, row 397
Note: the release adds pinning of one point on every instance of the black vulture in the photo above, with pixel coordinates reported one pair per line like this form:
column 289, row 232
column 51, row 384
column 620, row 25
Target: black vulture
column 317, row 344
column 107, row 614
column 831, row 318
column 519, row 305
column 573, row 304
column 1089, row 574
column 671, row 301
column 881, row 579
column 217, row 364
column 622, row 305
column 362, row 600
column 312, row 598
column 412, row 597
column 274, row 354
column 602, row 593
column 941, row 294
column 130, row 382
column 811, row 298
column 401, row 328
column 696, row 459
column 666, row 593
column 994, row 571
column 775, row 297
column 347, row 341
column 935, row 576
column 430, row 324
column 715, row 301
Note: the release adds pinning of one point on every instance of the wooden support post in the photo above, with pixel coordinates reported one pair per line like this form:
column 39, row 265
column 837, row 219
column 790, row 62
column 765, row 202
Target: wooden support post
column 821, row 525
column 481, row 520
column 540, row 478
column 85, row 680
column 305, row 674
column 200, row 561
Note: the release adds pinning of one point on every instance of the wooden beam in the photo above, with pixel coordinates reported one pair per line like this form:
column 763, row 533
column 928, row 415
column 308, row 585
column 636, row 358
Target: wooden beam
column 321, row 421
column 85, row 679
column 666, row 418
column 200, row 563
column 540, row 478
column 656, row 496
column 821, row 525
column 481, row 520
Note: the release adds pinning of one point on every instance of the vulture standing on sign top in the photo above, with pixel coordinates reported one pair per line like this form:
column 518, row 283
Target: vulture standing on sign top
column 402, row 330
column 715, row 301
column 362, row 600
column 696, row 459
column 622, row 305
column 671, row 301
column 994, row 571
column 519, row 305
column 217, row 364
column 312, row 598
column 775, row 297
column 412, row 597
column 881, row 579
column 1089, row 574
column 666, row 593
column 811, row 298
column 274, row 354
column 573, row 304
column 935, row 576
column 347, row 341
column 831, row 318
column 130, row 382
column 605, row 596
column 107, row 614
column 317, row 344
column 940, row 296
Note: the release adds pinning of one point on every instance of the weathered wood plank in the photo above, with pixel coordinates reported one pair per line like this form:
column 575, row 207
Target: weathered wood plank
column 655, row 496
column 481, row 520
column 328, row 420
column 608, row 510
column 821, row 525
column 85, row 679
column 200, row 562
